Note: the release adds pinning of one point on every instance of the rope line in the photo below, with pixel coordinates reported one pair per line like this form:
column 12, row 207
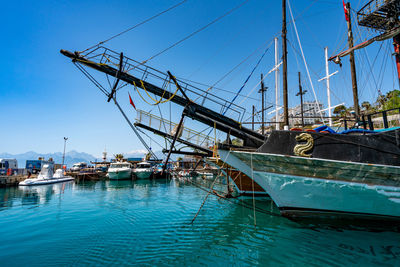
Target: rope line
column 156, row 101
column 248, row 78
column 135, row 26
column 197, row 31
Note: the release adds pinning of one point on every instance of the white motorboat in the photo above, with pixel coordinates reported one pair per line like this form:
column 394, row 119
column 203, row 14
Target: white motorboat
column 46, row 176
column 120, row 171
column 143, row 170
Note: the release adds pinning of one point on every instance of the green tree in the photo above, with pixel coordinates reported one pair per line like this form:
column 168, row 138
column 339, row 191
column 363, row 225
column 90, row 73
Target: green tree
column 119, row 157
column 340, row 111
column 366, row 106
column 392, row 100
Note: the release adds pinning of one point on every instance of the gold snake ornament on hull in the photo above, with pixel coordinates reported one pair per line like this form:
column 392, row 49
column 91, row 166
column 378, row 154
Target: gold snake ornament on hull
column 301, row 149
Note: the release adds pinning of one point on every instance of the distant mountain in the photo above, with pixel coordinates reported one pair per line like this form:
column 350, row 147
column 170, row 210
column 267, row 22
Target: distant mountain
column 70, row 157
column 142, row 153
column 73, row 156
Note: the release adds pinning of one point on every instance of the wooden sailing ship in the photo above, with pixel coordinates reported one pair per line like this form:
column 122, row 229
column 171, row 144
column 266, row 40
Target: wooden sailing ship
column 356, row 173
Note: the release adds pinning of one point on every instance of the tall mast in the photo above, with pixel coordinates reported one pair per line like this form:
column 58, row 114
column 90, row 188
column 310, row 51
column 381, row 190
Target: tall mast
column 284, row 71
column 352, row 63
column 301, row 93
column 276, row 84
column 262, row 91
column 328, row 89
column 396, row 43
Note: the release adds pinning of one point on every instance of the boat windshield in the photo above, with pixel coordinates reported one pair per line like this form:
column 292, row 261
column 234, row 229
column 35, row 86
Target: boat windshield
column 143, row 165
column 121, row 165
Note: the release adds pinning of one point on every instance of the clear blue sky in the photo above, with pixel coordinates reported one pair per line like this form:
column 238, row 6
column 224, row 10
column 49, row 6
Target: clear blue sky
column 43, row 97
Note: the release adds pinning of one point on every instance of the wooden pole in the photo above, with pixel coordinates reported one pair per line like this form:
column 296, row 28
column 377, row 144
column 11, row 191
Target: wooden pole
column 252, row 118
column 173, row 143
column 276, row 85
column 396, row 43
column 301, row 101
column 284, row 68
column 262, row 104
column 352, row 64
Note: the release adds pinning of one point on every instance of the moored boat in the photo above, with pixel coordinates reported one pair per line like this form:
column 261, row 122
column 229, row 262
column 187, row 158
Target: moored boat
column 353, row 180
column 243, row 184
column 120, row 171
column 46, row 176
column 143, row 170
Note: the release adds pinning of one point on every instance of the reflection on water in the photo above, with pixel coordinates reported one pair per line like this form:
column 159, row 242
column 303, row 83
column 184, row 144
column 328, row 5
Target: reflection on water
column 147, row 222
column 31, row 195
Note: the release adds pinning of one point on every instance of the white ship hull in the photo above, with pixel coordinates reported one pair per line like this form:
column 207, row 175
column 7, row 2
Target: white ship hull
column 308, row 187
column 116, row 174
column 31, row 182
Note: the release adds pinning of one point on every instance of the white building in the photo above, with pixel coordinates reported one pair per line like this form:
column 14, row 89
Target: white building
column 310, row 111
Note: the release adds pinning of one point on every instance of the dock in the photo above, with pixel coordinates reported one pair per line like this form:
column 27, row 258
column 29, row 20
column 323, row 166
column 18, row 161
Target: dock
column 12, row 180
column 88, row 176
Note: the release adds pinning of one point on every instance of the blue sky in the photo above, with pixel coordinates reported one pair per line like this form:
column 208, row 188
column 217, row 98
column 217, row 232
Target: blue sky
column 43, row 97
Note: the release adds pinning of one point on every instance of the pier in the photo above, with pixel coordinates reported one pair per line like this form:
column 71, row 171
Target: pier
column 12, row 180
column 88, row 176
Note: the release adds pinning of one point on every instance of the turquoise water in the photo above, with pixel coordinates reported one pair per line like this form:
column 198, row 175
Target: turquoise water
column 147, row 223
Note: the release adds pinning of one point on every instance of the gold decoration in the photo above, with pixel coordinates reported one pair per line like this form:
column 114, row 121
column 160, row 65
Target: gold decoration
column 301, row 149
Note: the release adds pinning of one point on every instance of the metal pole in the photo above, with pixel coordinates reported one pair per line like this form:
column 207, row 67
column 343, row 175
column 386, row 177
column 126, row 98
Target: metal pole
column 276, row 84
column 134, row 129
column 284, row 69
column 352, row 64
column 328, row 89
column 65, row 143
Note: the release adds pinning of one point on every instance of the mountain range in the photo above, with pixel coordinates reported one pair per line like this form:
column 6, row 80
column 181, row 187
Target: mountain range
column 71, row 157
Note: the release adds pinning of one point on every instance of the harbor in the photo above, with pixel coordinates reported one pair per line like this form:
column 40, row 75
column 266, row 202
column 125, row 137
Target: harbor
column 149, row 223
column 249, row 133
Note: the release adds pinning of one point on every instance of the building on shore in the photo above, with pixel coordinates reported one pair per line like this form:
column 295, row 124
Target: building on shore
column 310, row 112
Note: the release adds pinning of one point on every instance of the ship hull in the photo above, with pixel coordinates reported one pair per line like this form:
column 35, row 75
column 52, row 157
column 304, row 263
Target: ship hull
column 303, row 187
column 244, row 185
column 119, row 175
column 143, row 174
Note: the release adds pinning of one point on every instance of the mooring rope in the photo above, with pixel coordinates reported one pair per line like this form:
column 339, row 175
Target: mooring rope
column 211, row 188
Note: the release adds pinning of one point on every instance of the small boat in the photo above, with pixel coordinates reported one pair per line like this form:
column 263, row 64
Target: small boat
column 184, row 173
column 143, row 170
column 46, row 177
column 120, row 171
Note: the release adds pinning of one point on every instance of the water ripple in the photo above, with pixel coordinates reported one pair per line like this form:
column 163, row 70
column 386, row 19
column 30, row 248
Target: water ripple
column 147, row 223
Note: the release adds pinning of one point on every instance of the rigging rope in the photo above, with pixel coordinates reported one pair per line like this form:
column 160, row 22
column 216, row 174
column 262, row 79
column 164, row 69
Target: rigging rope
column 305, row 62
column 137, row 25
column 245, row 82
column 156, row 101
column 234, row 68
column 197, row 31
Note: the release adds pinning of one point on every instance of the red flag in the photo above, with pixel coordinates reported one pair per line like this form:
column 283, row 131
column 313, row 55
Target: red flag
column 346, row 11
column 130, row 101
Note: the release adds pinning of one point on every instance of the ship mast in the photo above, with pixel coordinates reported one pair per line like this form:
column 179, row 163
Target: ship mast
column 284, row 69
column 396, row 44
column 352, row 62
